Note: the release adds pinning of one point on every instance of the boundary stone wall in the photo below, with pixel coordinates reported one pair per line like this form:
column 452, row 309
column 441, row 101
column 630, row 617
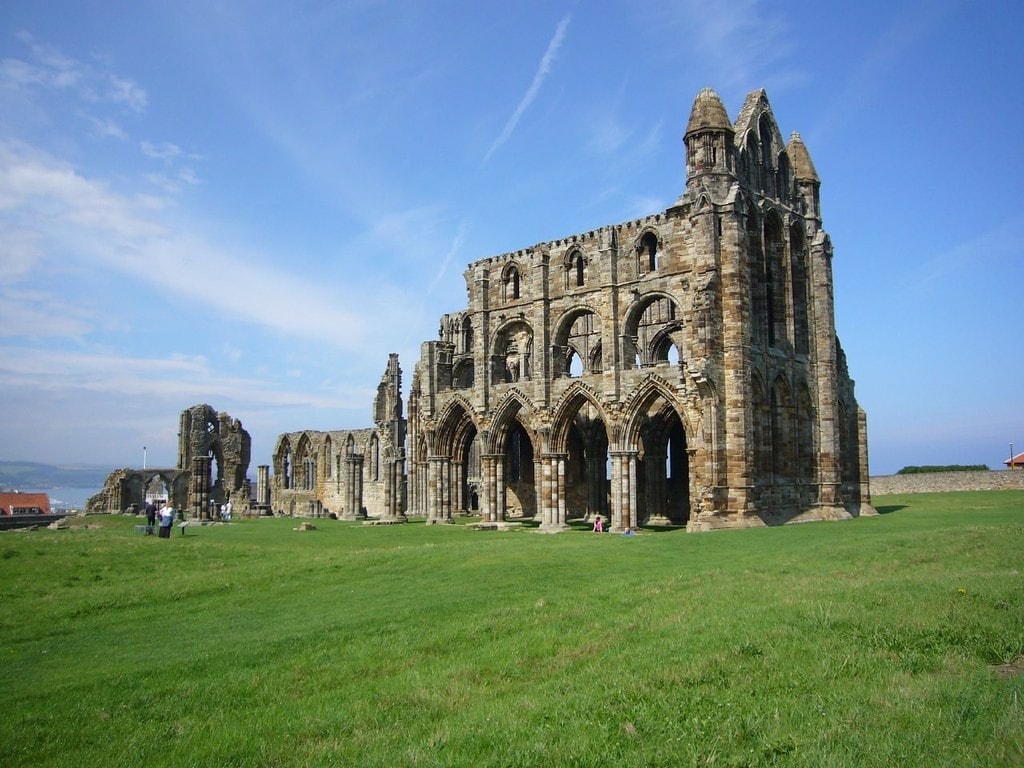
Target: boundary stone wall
column 937, row 482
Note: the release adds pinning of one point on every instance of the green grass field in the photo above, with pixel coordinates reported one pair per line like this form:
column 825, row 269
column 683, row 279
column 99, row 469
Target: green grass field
column 873, row 642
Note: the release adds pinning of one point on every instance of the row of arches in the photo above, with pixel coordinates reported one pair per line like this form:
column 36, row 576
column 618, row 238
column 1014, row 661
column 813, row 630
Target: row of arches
column 575, row 462
column 653, row 334
column 301, row 462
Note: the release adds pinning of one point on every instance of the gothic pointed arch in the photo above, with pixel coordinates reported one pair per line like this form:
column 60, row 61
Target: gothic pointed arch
column 577, row 339
column 576, row 397
column 515, row 405
column 655, row 432
column 454, row 423
column 305, row 463
column 638, row 406
column 800, row 288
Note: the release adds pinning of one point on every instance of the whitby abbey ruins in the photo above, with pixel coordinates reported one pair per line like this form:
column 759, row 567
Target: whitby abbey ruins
column 679, row 369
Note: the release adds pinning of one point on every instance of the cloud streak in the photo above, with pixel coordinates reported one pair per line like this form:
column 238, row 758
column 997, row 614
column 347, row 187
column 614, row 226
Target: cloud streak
column 543, row 69
column 60, row 212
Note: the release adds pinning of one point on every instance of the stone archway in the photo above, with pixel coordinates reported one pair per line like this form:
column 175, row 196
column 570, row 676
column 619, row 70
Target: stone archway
column 576, row 468
column 651, row 472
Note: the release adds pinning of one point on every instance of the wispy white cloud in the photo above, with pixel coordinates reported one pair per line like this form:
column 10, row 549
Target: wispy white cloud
column 740, row 45
column 106, row 127
column 447, row 260
column 543, row 69
column 65, row 214
column 48, row 68
column 165, row 151
column 167, row 378
column 38, row 314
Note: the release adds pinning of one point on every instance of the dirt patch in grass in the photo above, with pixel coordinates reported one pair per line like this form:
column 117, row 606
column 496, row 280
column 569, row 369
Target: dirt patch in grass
column 1006, row 671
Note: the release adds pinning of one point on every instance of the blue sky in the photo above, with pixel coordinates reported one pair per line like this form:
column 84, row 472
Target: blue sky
column 251, row 204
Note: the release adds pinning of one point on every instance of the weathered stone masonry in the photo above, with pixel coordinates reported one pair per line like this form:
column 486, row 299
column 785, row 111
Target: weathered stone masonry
column 680, row 368
column 351, row 474
column 213, row 460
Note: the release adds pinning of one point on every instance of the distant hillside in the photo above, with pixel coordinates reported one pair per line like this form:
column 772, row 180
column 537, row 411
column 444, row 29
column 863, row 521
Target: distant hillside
column 27, row 474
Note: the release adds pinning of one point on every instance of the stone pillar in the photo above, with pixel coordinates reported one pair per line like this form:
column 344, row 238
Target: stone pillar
column 439, row 507
column 458, row 489
column 492, row 487
column 395, row 507
column 199, row 493
column 623, row 490
column 353, row 499
column 263, row 485
column 551, row 494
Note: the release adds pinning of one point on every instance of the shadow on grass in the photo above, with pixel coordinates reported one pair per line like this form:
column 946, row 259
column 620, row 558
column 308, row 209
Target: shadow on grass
column 890, row 508
column 581, row 525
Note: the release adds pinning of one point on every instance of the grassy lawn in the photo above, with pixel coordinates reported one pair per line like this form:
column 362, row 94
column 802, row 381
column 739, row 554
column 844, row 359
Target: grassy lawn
column 873, row 642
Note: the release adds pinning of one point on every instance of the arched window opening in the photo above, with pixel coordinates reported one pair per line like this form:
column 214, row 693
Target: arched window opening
column 574, row 365
column 467, row 335
column 651, row 333
column 374, row 463
column 648, row 252
column 577, row 334
column 511, row 283
column 519, row 456
column 753, row 161
column 798, row 258
column 775, row 280
column 578, row 267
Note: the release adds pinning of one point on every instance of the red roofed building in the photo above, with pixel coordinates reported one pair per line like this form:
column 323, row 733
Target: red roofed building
column 14, row 503
column 1017, row 462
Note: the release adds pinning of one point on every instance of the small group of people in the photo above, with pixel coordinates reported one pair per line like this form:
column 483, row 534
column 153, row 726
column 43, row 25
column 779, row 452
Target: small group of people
column 166, row 515
column 599, row 527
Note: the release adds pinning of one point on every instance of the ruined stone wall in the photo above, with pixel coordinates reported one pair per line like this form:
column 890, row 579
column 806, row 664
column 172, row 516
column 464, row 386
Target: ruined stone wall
column 680, row 368
column 205, row 438
column 350, row 474
column 940, row 482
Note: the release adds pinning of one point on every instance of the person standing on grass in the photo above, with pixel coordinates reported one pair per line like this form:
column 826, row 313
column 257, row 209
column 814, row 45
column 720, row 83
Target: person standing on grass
column 598, row 524
column 166, row 519
column 150, row 516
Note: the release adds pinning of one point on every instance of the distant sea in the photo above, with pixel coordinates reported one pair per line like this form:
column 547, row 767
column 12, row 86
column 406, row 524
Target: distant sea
column 65, row 498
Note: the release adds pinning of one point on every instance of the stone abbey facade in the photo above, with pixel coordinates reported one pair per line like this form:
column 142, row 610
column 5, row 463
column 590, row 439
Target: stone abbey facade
column 679, row 369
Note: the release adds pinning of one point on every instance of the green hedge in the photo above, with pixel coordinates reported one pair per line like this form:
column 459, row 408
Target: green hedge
column 912, row 470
